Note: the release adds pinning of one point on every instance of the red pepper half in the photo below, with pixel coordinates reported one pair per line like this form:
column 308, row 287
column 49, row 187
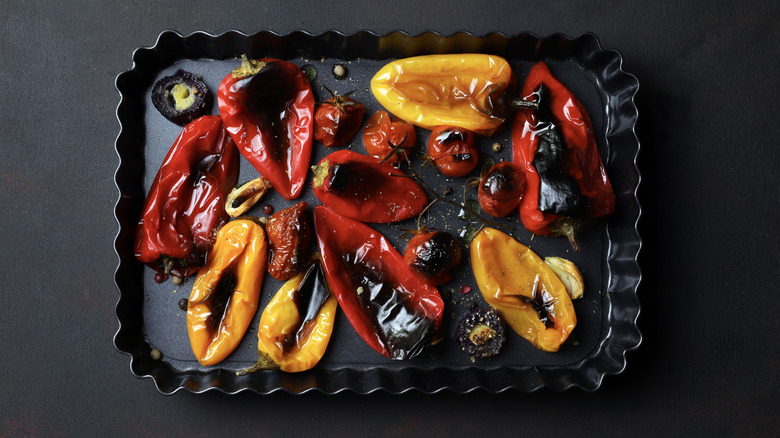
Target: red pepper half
column 560, row 112
column 186, row 203
column 268, row 107
column 391, row 308
column 366, row 189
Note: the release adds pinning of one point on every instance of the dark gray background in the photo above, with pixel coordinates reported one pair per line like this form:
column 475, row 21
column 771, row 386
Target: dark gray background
column 710, row 359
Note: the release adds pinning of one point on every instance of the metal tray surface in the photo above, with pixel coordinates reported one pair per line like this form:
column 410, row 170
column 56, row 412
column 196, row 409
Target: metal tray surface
column 150, row 319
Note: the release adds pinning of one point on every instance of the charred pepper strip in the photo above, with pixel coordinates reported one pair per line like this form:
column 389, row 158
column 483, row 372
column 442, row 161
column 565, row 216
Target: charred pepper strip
column 297, row 324
column 268, row 107
column 226, row 293
column 366, row 189
column 470, row 91
column 393, row 310
column 289, row 239
column 186, row 202
column 515, row 281
column 572, row 181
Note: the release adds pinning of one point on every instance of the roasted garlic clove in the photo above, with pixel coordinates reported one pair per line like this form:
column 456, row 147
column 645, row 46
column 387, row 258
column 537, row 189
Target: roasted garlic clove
column 243, row 198
column 569, row 274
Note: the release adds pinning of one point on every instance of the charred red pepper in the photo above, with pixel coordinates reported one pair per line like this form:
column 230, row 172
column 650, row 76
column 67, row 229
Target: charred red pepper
column 453, row 150
column 387, row 138
column 366, row 189
column 566, row 183
column 338, row 120
column 268, row 107
column 393, row 310
column 185, row 205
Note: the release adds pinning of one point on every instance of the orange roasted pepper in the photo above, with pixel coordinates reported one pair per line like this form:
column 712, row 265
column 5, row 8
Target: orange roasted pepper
column 469, row 91
column 517, row 282
column 226, row 292
column 296, row 325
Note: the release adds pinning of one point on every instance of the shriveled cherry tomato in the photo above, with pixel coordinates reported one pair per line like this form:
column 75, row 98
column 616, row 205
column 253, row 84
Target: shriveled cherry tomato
column 453, row 150
column 338, row 120
column 433, row 255
column 289, row 240
column 501, row 189
column 382, row 134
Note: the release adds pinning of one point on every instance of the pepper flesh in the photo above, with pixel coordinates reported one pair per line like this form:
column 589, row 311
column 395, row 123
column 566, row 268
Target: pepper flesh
column 186, row 202
column 515, row 281
column 463, row 90
column 582, row 162
column 226, row 293
column 297, row 324
column 268, row 107
column 366, row 189
column 394, row 311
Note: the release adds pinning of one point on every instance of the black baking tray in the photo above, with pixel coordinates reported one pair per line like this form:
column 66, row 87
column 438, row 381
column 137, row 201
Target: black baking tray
column 150, row 319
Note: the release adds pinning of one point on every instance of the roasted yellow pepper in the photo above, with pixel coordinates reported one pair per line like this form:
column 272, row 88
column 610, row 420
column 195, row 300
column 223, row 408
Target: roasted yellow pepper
column 226, row 292
column 516, row 281
column 469, row 91
column 296, row 325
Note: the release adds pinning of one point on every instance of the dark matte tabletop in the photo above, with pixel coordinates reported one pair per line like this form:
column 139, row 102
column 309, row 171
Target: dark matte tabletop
column 709, row 360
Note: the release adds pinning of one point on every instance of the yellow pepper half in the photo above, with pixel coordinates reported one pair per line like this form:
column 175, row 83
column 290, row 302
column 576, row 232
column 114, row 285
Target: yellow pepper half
column 517, row 282
column 226, row 292
column 463, row 90
column 296, row 325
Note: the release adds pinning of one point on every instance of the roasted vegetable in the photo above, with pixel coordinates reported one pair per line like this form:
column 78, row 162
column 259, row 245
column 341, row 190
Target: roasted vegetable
column 470, row 91
column 338, row 120
column 297, row 324
column 226, row 293
column 242, row 198
column 570, row 275
column 530, row 296
column 366, row 189
column 433, row 255
column 268, row 107
column 501, row 189
column 453, row 150
column 186, row 202
column 181, row 97
column 289, row 239
column 481, row 333
column 393, row 310
column 567, row 186
column 388, row 138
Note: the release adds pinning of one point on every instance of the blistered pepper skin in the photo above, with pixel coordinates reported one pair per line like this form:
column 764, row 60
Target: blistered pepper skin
column 395, row 312
column 463, row 90
column 186, row 202
column 515, row 281
column 583, row 162
column 363, row 188
column 226, row 293
column 296, row 326
column 267, row 106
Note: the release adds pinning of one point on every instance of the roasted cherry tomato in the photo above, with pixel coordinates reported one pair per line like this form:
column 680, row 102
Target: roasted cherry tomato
column 453, row 150
column 381, row 135
column 501, row 189
column 289, row 240
column 433, row 255
column 391, row 308
column 366, row 189
column 268, row 107
column 338, row 120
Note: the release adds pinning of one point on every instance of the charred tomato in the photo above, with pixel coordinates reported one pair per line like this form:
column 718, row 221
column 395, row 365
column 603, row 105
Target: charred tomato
column 453, row 150
column 501, row 189
column 338, row 120
column 433, row 255
column 387, row 138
